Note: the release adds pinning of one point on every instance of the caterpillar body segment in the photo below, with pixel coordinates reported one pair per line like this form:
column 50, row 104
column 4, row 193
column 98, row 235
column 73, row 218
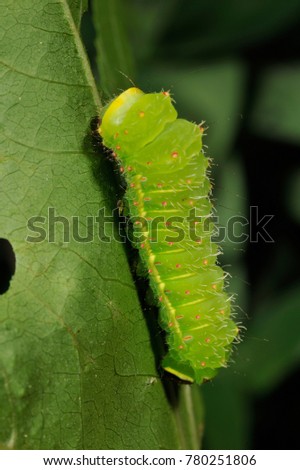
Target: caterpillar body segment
column 167, row 194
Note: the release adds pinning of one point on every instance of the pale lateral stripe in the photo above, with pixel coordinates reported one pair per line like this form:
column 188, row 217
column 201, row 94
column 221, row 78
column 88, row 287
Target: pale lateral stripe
column 200, row 327
column 180, row 250
column 166, row 190
column 182, row 276
column 190, row 303
column 163, row 211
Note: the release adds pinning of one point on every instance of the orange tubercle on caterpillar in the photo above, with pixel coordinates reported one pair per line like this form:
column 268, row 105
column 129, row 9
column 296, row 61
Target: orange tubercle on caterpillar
column 187, row 338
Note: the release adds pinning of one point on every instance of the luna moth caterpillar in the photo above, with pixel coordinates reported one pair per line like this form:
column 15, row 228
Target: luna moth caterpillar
column 165, row 170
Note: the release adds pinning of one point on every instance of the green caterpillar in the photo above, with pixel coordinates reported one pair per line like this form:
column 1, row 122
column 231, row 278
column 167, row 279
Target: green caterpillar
column 165, row 171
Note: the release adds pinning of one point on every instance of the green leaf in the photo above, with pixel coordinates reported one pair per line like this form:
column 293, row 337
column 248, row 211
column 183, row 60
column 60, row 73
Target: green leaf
column 114, row 58
column 77, row 8
column 77, row 369
column 276, row 110
column 189, row 415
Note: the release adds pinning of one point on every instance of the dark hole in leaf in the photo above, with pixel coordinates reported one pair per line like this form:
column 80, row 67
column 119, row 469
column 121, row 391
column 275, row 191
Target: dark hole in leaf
column 7, row 264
